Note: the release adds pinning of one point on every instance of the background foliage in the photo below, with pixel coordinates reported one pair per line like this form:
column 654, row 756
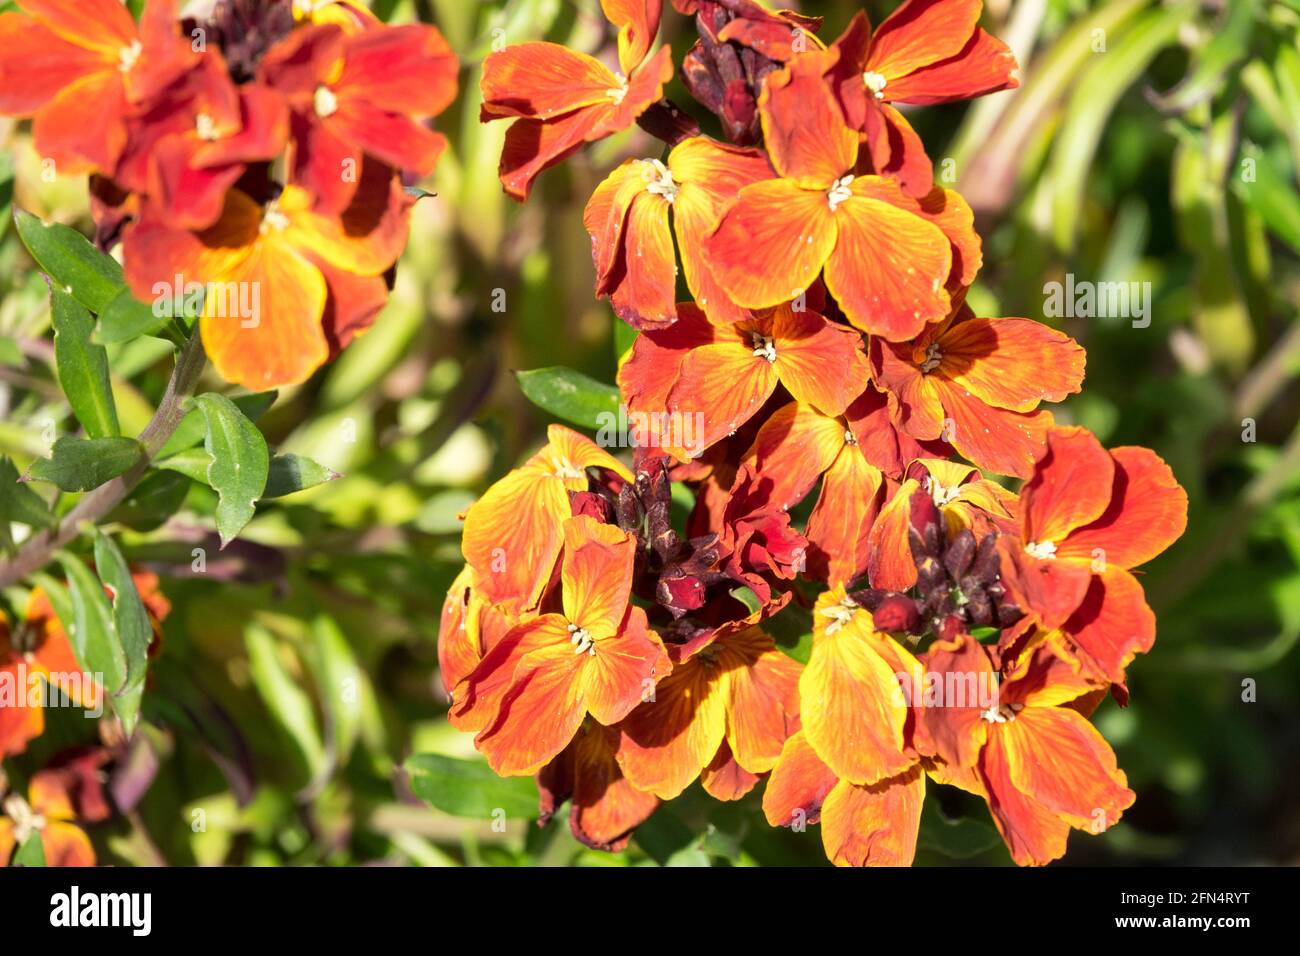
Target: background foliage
column 1155, row 142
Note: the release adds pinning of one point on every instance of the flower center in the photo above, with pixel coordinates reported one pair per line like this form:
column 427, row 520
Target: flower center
column 324, row 102
column 581, row 640
column 932, row 358
column 940, row 494
column 840, row 614
column 764, row 347
column 618, row 93
column 567, row 469
column 1042, row 550
column 839, row 192
column 849, row 437
column 1003, row 714
column 206, row 127
column 273, row 220
column 26, row 820
column 127, row 56
column 659, row 179
column 875, row 83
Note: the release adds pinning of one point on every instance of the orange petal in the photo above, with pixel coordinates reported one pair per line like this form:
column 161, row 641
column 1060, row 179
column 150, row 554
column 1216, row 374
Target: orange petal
column 606, row 806
column 605, row 216
column 852, row 708
column 793, row 448
column 1004, row 442
column 876, row 825
column 643, row 280
column 953, row 729
column 103, row 25
column 543, row 81
column 1035, row 835
column 1071, row 487
column 820, row 362
column 667, row 741
column 76, row 138
column 66, row 844
column 840, row 524
column 651, row 371
column 984, row 65
column 397, row 140
column 623, row 671
column 541, row 711
column 950, row 212
column 762, row 692
column 1112, row 625
column 889, row 265
column 568, row 454
column 1050, row 588
column 891, row 566
column 479, row 694
column 725, row 382
column 1011, row 363
column 458, row 651
column 513, row 537
column 799, row 785
column 724, row 779
column 532, row 146
column 19, row 724
column 637, row 22
column 709, row 175
column 803, row 128
column 35, row 64
column 597, row 574
column 771, row 243
column 6, row 840
column 921, row 32
column 1147, row 513
column 408, row 69
column 898, row 152
column 1060, row 761
column 367, row 237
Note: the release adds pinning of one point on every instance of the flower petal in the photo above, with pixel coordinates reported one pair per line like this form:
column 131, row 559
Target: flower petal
column 1034, row 835
column 543, row 81
column 1071, row 487
column 761, row 685
column 597, row 574
column 1111, row 626
column 1004, row 442
column 803, row 128
column 1012, row 363
column 984, row 65
column 840, row 524
column 820, row 362
column 921, row 32
column 875, row 825
column 799, row 785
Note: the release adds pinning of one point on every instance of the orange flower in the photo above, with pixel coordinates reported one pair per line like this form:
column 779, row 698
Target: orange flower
column 69, row 54
column 1086, row 517
column 513, row 534
column 1042, row 767
column 632, row 242
column 888, row 258
column 531, row 692
column 726, row 372
column 963, row 497
column 285, row 285
column 926, row 52
column 733, row 689
column 68, row 790
column 360, row 94
column 561, row 99
column 978, row 384
column 604, row 807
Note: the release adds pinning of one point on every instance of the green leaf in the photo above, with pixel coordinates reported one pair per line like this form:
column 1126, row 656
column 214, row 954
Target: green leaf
column 959, row 839
column 571, row 396
column 1270, row 194
column 469, row 788
column 239, row 466
column 19, row 503
column 80, row 464
column 748, row 598
column 291, row 473
column 70, row 260
column 287, row 702
column 10, row 352
column 341, row 683
column 83, row 367
column 151, row 502
column 131, row 623
column 191, row 430
column 126, row 318
column 91, row 630
column 31, row 853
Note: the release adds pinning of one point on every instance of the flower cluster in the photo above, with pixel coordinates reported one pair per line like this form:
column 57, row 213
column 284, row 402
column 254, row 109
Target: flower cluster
column 959, row 631
column 255, row 157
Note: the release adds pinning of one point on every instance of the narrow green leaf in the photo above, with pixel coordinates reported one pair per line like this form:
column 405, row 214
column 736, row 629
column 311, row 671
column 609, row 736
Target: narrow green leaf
column 191, row 430
column 341, row 682
column 469, row 788
column 69, row 259
column 571, row 396
column 83, row 367
column 287, row 702
column 126, row 318
column 131, row 622
column 240, row 463
column 19, row 503
column 80, row 464
column 91, row 630
column 291, row 473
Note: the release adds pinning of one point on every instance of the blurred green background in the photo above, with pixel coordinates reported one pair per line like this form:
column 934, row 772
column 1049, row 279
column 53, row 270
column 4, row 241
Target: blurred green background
column 1149, row 142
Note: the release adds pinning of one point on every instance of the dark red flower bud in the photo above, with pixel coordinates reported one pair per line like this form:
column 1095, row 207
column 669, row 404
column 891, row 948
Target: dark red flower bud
column 897, row 614
column 959, row 554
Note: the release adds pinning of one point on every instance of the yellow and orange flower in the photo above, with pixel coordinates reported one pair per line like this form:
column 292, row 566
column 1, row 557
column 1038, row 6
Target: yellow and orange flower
column 286, row 286
column 61, row 55
column 632, row 241
column 727, row 371
column 925, row 52
column 1087, row 516
column 890, row 260
column 1033, row 756
column 532, row 690
column 560, row 99
column 360, row 94
column 732, row 698
column 977, row 383
column 66, row 792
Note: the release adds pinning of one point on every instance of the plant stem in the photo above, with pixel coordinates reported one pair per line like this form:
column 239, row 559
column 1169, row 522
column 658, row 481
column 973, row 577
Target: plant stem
column 36, row 552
